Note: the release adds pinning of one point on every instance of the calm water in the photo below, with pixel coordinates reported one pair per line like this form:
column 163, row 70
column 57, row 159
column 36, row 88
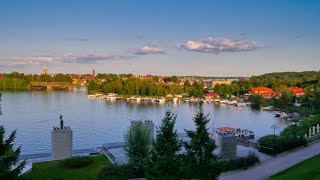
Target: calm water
column 95, row 122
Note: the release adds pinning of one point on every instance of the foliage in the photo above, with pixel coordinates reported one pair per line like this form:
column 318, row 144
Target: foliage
column 286, row 98
column 92, row 85
column 18, row 81
column 303, row 128
column 13, row 83
column 135, row 86
column 308, row 169
column 256, row 101
column 116, row 172
column 76, row 162
column 138, row 143
column 9, row 157
column 239, row 163
column 271, row 144
column 200, row 160
column 54, row 170
column 165, row 160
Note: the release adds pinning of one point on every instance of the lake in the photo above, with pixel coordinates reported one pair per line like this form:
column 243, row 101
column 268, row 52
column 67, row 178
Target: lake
column 94, row 122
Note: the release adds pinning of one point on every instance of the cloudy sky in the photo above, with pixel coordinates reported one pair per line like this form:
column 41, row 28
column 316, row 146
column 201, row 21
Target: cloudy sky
column 213, row 38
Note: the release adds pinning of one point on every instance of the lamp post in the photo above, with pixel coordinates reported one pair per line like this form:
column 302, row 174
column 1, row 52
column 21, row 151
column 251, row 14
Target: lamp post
column 274, row 126
column 0, row 103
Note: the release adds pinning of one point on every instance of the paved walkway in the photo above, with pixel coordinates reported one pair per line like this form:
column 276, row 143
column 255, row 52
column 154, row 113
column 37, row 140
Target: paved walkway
column 274, row 165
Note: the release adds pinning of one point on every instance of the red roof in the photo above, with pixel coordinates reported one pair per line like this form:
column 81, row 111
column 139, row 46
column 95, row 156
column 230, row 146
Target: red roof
column 257, row 89
column 226, row 128
column 297, row 90
column 1, row 76
column 213, row 94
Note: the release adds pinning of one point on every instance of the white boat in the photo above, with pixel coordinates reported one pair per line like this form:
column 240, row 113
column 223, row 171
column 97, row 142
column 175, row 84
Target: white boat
column 232, row 102
column 241, row 104
column 223, row 101
column 277, row 113
column 284, row 115
column 268, row 108
column 91, row 96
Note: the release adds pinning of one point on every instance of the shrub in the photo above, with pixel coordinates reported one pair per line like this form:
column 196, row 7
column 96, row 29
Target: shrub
column 239, row 163
column 276, row 144
column 76, row 162
column 115, row 172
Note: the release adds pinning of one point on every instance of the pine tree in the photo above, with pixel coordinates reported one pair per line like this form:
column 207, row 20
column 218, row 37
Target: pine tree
column 200, row 161
column 9, row 157
column 165, row 159
column 138, row 142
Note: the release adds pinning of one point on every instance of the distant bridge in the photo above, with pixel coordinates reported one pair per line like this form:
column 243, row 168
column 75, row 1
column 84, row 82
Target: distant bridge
column 50, row 85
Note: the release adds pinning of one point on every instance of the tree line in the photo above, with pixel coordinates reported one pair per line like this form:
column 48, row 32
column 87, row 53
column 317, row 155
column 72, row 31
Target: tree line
column 19, row 81
column 144, row 87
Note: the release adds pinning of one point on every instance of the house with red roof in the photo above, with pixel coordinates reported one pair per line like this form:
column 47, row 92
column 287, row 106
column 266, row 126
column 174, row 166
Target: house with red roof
column 262, row 91
column 1, row 76
column 297, row 91
column 211, row 96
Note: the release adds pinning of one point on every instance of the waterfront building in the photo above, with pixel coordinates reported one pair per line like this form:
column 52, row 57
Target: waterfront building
column 262, row 91
column 61, row 142
column 210, row 96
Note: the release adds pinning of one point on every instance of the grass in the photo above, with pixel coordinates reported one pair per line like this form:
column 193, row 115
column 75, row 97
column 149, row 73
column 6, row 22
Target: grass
column 54, row 170
column 308, row 170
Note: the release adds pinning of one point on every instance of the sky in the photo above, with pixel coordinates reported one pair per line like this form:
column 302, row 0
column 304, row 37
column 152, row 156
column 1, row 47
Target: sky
column 207, row 38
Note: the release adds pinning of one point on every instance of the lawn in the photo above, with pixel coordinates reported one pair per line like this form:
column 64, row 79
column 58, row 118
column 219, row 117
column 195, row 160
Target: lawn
column 308, row 170
column 53, row 170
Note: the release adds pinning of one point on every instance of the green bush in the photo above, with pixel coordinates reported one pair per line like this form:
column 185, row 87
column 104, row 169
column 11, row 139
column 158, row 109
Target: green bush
column 276, row 144
column 239, row 163
column 115, row 172
column 303, row 128
column 76, row 162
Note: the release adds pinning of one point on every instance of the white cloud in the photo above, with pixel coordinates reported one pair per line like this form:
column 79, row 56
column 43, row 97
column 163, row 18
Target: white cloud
column 149, row 50
column 219, row 45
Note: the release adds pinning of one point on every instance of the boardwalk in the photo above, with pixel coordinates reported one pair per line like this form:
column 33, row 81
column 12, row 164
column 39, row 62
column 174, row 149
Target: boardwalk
column 274, row 165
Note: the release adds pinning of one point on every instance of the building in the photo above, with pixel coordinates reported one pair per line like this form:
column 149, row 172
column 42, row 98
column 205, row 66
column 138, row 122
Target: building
column 93, row 73
column 61, row 142
column 226, row 145
column 211, row 96
column 149, row 77
column 207, row 84
column 220, row 82
column 262, row 91
column 45, row 70
column 297, row 91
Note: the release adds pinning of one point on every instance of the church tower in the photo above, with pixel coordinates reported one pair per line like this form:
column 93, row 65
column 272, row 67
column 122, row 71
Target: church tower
column 45, row 70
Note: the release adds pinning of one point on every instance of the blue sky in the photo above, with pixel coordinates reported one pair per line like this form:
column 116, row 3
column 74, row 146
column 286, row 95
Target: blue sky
column 213, row 38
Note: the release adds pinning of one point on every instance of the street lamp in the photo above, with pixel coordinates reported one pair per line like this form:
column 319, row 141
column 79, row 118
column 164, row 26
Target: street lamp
column 274, row 126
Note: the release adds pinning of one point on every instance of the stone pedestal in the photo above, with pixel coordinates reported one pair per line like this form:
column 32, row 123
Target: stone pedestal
column 61, row 143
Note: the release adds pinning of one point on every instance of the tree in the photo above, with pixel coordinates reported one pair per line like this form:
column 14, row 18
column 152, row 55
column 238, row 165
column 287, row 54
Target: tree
column 165, row 159
column 8, row 157
column 200, row 160
column 286, row 98
column 256, row 101
column 138, row 142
